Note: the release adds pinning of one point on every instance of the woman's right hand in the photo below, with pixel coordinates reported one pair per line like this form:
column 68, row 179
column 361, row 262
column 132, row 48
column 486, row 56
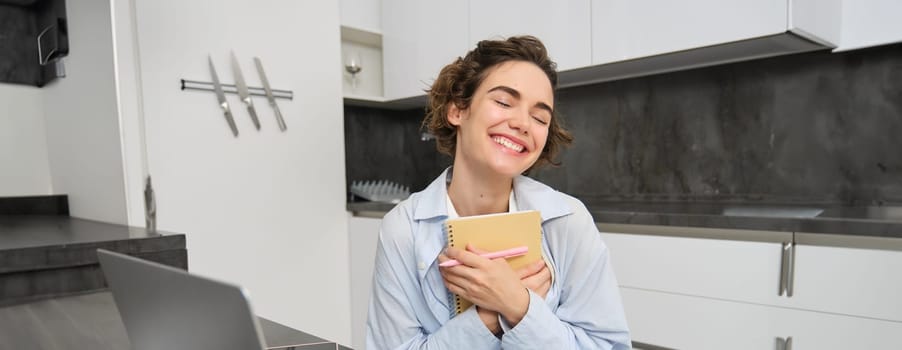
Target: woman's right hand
column 536, row 277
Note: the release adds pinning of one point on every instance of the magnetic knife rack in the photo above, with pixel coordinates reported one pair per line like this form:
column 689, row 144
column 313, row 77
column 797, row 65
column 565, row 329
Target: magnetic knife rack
column 231, row 89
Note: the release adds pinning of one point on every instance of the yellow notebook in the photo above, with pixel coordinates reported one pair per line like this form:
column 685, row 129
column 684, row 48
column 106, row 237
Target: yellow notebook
column 494, row 232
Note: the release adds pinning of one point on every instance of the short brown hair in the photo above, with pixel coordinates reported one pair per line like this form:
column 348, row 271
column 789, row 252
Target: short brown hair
column 459, row 80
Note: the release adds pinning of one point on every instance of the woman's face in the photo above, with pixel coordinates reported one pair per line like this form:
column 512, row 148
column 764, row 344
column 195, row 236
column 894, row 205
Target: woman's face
column 506, row 126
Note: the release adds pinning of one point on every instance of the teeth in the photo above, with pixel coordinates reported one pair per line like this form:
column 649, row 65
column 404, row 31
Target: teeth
column 507, row 143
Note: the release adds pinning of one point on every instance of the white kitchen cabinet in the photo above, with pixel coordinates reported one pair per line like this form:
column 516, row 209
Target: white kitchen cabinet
column 686, row 288
column 690, row 322
column 869, row 23
column 418, row 39
column 363, row 238
column 627, row 29
column 637, row 38
column 716, row 268
column 563, row 26
column 363, row 15
column 824, row 331
column 624, row 29
column 849, row 281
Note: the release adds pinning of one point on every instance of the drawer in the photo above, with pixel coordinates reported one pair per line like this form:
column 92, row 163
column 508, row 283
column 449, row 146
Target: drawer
column 849, row 281
column 689, row 322
column 716, row 268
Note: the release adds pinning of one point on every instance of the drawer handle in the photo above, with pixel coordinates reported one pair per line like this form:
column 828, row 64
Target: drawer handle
column 784, row 344
column 787, row 267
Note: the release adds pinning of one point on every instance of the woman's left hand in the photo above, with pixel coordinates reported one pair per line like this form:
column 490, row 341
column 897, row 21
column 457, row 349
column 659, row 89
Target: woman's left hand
column 536, row 277
column 490, row 284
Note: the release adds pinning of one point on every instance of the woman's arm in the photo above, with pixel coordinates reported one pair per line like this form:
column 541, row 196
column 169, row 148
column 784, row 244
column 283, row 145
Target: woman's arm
column 393, row 322
column 590, row 314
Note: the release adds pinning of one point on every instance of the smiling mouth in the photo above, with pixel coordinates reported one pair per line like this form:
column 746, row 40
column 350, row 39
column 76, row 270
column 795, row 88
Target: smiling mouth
column 508, row 144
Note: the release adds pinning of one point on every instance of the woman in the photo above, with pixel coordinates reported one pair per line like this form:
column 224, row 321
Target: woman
column 493, row 111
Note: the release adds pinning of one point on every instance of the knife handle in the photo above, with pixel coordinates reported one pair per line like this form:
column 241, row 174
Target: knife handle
column 253, row 113
column 231, row 121
column 279, row 119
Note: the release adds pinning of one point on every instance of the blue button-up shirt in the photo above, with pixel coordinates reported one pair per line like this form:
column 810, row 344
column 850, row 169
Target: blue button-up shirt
column 409, row 307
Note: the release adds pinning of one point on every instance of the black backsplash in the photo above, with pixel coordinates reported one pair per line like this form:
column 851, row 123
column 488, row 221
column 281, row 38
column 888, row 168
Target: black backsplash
column 385, row 144
column 814, row 127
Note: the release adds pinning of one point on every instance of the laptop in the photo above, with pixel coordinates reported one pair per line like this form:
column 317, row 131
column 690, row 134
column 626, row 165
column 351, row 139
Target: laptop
column 165, row 308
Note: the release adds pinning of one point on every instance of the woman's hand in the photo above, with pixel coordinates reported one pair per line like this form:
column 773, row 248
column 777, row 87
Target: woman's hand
column 536, row 277
column 488, row 317
column 489, row 284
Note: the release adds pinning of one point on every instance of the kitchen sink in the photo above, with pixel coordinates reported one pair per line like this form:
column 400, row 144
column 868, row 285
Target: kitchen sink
column 773, row 211
column 882, row 213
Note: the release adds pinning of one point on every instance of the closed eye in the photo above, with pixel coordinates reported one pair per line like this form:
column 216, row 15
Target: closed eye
column 502, row 103
column 540, row 120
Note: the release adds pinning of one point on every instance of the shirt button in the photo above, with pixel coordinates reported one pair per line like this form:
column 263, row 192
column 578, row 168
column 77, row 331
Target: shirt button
column 421, row 265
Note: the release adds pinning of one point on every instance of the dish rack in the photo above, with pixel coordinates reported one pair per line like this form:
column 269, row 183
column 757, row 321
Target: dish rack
column 380, row 191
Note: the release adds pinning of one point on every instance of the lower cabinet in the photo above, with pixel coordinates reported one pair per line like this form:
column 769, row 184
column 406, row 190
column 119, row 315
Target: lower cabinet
column 718, row 268
column 848, row 281
column 695, row 288
column 363, row 238
column 690, row 322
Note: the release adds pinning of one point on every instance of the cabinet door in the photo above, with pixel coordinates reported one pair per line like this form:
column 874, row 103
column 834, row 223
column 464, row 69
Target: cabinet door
column 627, row 29
column 419, row 37
column 563, row 26
column 723, row 269
column 687, row 322
column 869, row 23
column 822, row 331
column 361, row 14
column 858, row 282
column 363, row 237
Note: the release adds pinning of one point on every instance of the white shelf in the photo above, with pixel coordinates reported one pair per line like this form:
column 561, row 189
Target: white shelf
column 361, row 36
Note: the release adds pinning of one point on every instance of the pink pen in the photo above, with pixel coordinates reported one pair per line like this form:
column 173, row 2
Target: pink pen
column 507, row 253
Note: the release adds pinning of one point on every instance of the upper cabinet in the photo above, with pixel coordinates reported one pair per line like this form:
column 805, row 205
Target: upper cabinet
column 624, row 29
column 563, row 26
column 419, row 37
column 601, row 40
column 869, row 23
column 364, row 15
column 633, row 38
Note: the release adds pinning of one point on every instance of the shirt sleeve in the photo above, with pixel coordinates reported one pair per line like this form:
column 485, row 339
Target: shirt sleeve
column 393, row 322
column 590, row 314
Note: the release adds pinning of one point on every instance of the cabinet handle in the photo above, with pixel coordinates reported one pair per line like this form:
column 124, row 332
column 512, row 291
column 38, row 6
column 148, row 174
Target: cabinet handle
column 787, row 267
column 784, row 344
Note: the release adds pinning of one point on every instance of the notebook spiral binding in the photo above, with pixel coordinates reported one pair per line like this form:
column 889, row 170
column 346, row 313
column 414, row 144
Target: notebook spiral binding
column 455, row 299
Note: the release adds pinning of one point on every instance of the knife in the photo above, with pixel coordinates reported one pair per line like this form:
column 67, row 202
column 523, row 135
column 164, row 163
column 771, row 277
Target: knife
column 220, row 96
column 243, row 92
column 268, row 90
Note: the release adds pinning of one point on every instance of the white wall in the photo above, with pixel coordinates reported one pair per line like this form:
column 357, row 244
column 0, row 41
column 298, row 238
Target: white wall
column 267, row 209
column 24, row 170
column 83, row 138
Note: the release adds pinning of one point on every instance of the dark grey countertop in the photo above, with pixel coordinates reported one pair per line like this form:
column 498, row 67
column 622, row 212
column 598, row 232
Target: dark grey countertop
column 91, row 321
column 882, row 221
column 25, row 231
column 47, row 256
column 33, row 242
